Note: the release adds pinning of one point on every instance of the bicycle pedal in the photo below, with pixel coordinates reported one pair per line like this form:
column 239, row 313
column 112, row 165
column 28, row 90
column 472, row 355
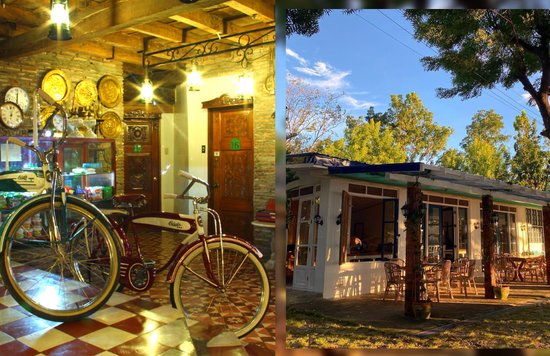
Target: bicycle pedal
column 149, row 264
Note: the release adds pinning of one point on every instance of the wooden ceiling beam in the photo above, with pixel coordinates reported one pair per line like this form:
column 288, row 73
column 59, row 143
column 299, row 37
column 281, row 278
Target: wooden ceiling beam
column 20, row 16
column 202, row 20
column 160, row 30
column 108, row 17
column 261, row 10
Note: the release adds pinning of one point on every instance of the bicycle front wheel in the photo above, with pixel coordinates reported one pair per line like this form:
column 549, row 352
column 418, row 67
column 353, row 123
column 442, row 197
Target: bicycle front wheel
column 61, row 280
column 237, row 303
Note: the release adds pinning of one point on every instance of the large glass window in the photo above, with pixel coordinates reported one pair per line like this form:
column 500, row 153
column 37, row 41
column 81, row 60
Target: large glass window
column 506, row 235
column 535, row 236
column 373, row 224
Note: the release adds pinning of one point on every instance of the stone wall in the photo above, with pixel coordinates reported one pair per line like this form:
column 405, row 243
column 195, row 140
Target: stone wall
column 28, row 72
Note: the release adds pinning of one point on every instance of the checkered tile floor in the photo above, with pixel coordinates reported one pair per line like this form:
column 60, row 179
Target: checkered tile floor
column 129, row 324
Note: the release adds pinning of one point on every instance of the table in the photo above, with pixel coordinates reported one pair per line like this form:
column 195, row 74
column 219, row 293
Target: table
column 517, row 263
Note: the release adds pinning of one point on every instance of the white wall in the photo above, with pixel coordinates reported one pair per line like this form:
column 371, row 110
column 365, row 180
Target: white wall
column 167, row 160
column 187, row 132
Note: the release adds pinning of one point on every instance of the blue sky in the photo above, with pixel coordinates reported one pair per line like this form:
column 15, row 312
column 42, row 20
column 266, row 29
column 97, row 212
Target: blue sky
column 369, row 55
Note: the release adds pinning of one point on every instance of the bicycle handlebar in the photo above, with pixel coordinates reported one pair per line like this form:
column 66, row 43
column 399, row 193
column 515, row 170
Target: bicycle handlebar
column 193, row 179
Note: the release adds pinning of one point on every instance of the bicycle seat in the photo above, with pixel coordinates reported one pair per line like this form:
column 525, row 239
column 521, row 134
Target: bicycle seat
column 127, row 201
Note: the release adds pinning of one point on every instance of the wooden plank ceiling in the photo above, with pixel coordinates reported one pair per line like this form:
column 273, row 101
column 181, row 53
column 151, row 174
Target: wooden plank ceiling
column 121, row 29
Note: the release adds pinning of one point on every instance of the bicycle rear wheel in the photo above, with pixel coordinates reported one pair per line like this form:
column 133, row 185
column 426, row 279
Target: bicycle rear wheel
column 59, row 280
column 237, row 304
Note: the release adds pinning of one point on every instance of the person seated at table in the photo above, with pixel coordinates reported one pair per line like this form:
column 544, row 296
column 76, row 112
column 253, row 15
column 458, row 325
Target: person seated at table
column 357, row 245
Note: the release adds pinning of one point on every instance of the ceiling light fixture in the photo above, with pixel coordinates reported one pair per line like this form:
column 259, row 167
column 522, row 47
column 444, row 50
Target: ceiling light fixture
column 245, row 86
column 194, row 79
column 60, row 23
column 147, row 91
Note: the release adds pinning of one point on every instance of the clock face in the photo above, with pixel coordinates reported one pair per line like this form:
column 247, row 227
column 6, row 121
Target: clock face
column 20, row 97
column 11, row 115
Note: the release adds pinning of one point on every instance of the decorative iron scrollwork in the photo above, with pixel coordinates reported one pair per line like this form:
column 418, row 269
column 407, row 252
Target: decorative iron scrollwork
column 243, row 48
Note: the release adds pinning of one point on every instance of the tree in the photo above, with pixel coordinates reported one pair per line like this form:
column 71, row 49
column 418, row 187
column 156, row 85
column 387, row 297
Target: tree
column 365, row 141
column 485, row 47
column 530, row 164
column 415, row 131
column 485, row 152
column 452, row 158
column 311, row 116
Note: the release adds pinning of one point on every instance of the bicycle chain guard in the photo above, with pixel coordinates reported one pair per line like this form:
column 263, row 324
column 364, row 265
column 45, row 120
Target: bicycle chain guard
column 136, row 274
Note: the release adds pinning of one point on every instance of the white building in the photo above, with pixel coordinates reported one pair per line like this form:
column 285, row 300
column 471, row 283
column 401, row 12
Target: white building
column 333, row 201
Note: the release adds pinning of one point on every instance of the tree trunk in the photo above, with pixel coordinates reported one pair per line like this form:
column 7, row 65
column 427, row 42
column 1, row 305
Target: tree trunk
column 546, row 224
column 412, row 251
column 487, row 235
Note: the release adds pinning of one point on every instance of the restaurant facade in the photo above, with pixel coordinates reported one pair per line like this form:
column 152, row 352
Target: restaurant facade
column 346, row 218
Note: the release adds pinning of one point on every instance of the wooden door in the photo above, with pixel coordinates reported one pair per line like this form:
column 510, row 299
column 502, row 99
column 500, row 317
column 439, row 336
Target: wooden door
column 231, row 167
column 141, row 160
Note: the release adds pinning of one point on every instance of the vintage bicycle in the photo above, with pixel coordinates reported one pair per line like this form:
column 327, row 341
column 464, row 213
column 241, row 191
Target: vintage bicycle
column 214, row 279
column 70, row 265
column 60, row 258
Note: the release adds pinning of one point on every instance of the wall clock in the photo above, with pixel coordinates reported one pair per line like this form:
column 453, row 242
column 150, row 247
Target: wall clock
column 11, row 115
column 20, row 97
column 57, row 85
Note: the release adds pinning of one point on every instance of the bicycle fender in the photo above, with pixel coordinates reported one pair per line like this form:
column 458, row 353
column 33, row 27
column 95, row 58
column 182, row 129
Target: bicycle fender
column 210, row 239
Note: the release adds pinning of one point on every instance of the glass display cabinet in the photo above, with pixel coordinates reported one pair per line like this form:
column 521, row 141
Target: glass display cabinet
column 87, row 165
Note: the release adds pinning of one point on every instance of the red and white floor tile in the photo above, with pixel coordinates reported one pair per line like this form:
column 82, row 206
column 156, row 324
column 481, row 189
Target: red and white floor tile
column 129, row 324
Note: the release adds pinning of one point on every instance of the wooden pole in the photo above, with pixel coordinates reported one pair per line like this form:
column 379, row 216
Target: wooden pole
column 487, row 236
column 546, row 229
column 412, row 251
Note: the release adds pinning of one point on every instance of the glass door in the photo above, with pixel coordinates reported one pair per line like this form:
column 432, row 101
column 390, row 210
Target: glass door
column 306, row 244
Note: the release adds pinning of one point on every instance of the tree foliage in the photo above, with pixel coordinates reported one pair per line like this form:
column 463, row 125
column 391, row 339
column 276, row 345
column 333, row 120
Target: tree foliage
column 311, row 116
column 365, row 141
column 414, row 129
column 404, row 133
column 530, row 165
column 484, row 149
column 485, row 47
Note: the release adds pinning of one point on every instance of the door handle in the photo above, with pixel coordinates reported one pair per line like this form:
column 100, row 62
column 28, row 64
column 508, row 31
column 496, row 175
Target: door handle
column 215, row 185
column 154, row 178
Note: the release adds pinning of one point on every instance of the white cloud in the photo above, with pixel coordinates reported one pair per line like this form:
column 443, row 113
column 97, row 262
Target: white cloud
column 355, row 104
column 324, row 76
column 296, row 56
column 526, row 96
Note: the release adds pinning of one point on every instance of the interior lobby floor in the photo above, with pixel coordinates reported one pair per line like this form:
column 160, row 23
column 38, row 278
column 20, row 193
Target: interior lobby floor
column 129, row 324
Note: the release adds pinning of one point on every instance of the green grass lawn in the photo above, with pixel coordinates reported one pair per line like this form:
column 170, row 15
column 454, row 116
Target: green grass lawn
column 518, row 327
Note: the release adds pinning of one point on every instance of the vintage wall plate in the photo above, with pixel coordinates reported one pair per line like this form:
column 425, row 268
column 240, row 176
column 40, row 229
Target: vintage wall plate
column 110, row 92
column 57, row 85
column 85, row 93
column 111, row 125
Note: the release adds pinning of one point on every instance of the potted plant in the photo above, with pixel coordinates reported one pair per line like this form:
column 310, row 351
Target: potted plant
column 500, row 290
column 422, row 304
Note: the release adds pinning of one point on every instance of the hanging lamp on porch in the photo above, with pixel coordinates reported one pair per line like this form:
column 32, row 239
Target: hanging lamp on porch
column 60, row 23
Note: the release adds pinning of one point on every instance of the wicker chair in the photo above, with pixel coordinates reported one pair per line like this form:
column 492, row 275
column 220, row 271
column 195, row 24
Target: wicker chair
column 394, row 279
column 440, row 276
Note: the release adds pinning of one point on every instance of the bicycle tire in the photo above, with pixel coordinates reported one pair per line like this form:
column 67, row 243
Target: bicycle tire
column 238, row 307
column 65, row 280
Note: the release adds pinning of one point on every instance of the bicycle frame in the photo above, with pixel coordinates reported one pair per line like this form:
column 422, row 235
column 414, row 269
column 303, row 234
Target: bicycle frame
column 190, row 225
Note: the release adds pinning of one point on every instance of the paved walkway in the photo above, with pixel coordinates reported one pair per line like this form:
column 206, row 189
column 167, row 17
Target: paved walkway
column 390, row 314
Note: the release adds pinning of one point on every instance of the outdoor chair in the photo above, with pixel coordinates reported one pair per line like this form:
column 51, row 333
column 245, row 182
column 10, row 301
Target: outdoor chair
column 504, row 268
column 535, row 268
column 394, row 279
column 438, row 276
column 461, row 274
column 471, row 274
